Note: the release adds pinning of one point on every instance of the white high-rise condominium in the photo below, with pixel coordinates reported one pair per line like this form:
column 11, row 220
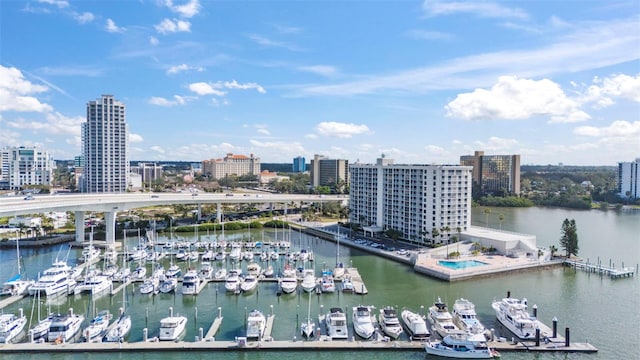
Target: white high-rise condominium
column 629, row 179
column 414, row 199
column 26, row 165
column 105, row 147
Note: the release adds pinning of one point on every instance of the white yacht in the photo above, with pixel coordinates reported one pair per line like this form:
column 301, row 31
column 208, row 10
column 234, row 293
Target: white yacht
column 94, row 284
column 254, row 269
column 150, row 286
column 328, row 284
column 415, row 325
column 55, row 280
column 362, row 321
column 249, row 283
column 288, row 284
column 139, row 273
column 233, row 281
column 173, row 271
column 97, row 327
column 514, row 315
column 441, row 319
column 191, row 282
column 16, row 286
column 460, row 346
column 220, row 274
column 206, row 270
column 464, row 316
column 12, row 327
column 90, row 254
column 347, row 285
column 236, row 253
column 121, row 274
column 220, row 255
column 308, row 280
column 336, row 323
column 168, row 285
column 256, row 324
column 388, row 320
column 64, row 328
column 172, row 328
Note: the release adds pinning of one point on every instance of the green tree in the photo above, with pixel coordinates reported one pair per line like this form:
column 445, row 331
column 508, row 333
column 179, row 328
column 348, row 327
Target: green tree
column 487, row 212
column 569, row 239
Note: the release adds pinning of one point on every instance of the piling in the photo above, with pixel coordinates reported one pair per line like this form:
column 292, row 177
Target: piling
column 145, row 334
column 555, row 327
column 535, row 310
column 566, row 337
column 537, row 337
column 201, row 333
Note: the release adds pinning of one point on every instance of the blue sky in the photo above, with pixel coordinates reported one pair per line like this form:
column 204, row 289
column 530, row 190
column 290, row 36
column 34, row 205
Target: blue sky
column 420, row 81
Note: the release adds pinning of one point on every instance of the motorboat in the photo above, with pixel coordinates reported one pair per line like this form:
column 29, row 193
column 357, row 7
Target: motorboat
column 236, row 253
column 308, row 280
column 168, row 285
column 12, row 327
column 208, row 255
column 460, row 346
column 268, row 272
column 254, row 269
column 172, row 328
column 233, row 281
column 347, row 285
column 138, row 253
column 57, row 279
column 94, row 284
column 191, row 282
column 388, row 320
column 513, row 314
column 288, row 284
column 247, row 255
column 415, row 324
column 64, row 328
column 464, row 316
column 362, row 321
column 173, row 271
column 206, row 270
column 139, row 273
column 151, row 285
column 90, row 254
column 256, row 324
column 249, row 283
column 336, row 323
column 220, row 274
column 441, row 319
column 328, row 285
column 338, row 271
column 97, row 327
column 221, row 255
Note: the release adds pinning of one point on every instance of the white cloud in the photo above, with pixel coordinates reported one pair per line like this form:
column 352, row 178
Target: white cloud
column 266, row 42
column 429, row 35
column 135, row 138
column 282, row 29
column 341, row 130
column 157, row 149
column 153, row 40
column 16, row 91
column 112, row 27
column 190, row 9
column 279, row 146
column 323, row 70
column 311, row 136
column 246, row 86
column 480, row 9
column 223, row 102
column 59, row 3
column 172, row 26
column 177, row 100
column 56, row 124
column 264, row 131
column 85, row 17
column 604, row 90
column 617, row 129
column 496, row 144
column 182, row 67
column 202, row 88
column 514, row 98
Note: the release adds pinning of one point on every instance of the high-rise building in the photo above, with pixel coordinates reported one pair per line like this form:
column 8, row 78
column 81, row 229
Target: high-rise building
column 26, row 165
column 629, row 179
column 105, row 147
column 413, row 199
column 494, row 174
column 149, row 172
column 329, row 172
column 299, row 164
column 231, row 165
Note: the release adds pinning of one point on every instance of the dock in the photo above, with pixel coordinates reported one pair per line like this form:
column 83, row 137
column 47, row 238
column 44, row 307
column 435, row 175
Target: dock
column 268, row 328
column 117, row 289
column 358, row 285
column 10, row 300
column 599, row 269
column 215, row 326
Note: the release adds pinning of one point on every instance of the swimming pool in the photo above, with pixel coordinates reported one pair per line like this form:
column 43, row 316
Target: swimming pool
column 457, row 265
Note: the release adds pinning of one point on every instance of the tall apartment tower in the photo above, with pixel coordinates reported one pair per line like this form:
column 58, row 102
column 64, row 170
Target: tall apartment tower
column 105, row 147
column 494, row 174
column 299, row 164
column 26, row 165
column 629, row 179
column 413, row 199
column 329, row 172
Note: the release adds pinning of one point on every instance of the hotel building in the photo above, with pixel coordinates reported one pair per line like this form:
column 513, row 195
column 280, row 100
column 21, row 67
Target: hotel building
column 629, row 179
column 329, row 172
column 231, row 165
column 494, row 174
column 299, row 164
column 26, row 165
column 413, row 199
column 105, row 147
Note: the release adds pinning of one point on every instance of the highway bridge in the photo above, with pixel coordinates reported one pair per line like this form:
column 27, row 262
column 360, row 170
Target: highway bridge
column 112, row 204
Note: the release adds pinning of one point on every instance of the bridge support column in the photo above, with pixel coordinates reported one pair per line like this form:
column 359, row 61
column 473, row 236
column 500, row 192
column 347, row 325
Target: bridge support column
column 110, row 226
column 219, row 212
column 199, row 212
column 79, row 226
column 285, row 210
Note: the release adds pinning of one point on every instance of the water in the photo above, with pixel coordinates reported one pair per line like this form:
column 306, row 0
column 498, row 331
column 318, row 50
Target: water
column 599, row 310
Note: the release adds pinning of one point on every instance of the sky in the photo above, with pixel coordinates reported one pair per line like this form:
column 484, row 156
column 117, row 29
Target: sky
column 422, row 82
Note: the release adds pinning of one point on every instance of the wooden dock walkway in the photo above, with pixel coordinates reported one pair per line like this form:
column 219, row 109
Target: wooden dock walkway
column 599, row 269
column 358, row 285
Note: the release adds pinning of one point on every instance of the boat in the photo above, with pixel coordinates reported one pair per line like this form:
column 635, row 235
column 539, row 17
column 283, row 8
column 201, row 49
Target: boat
column 256, row 324
column 97, row 327
column 460, row 346
column 173, row 271
column 308, row 328
column 328, row 285
column 122, row 326
column 336, row 323
column 206, row 270
column 94, row 284
column 308, row 283
column 249, row 283
column 168, row 285
column 220, row 274
column 362, row 321
column 90, row 254
column 12, row 327
column 415, row 325
column 57, row 279
column 288, row 284
column 347, row 285
column 254, row 269
column 220, row 255
column 268, row 272
column 64, row 328
column 236, row 252
column 233, row 281
column 110, row 270
column 464, row 316
column 388, row 320
column 208, row 255
column 40, row 330
column 513, row 314
column 172, row 328
column 121, row 274
column 139, row 273
column 441, row 319
column 16, row 286
column 151, row 285
column 191, row 283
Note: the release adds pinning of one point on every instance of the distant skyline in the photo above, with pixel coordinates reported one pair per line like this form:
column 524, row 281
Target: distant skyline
column 418, row 81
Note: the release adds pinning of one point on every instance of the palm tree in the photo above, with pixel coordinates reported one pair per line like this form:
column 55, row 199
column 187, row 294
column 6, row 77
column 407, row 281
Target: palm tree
column 434, row 234
column 487, row 212
column 501, row 218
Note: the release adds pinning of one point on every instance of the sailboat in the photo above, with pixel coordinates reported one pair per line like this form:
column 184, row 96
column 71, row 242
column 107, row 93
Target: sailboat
column 16, row 286
column 122, row 326
column 338, row 271
column 307, row 328
column 41, row 329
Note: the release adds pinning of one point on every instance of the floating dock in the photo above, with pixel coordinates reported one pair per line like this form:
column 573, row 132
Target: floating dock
column 215, row 326
column 358, row 285
column 602, row 270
